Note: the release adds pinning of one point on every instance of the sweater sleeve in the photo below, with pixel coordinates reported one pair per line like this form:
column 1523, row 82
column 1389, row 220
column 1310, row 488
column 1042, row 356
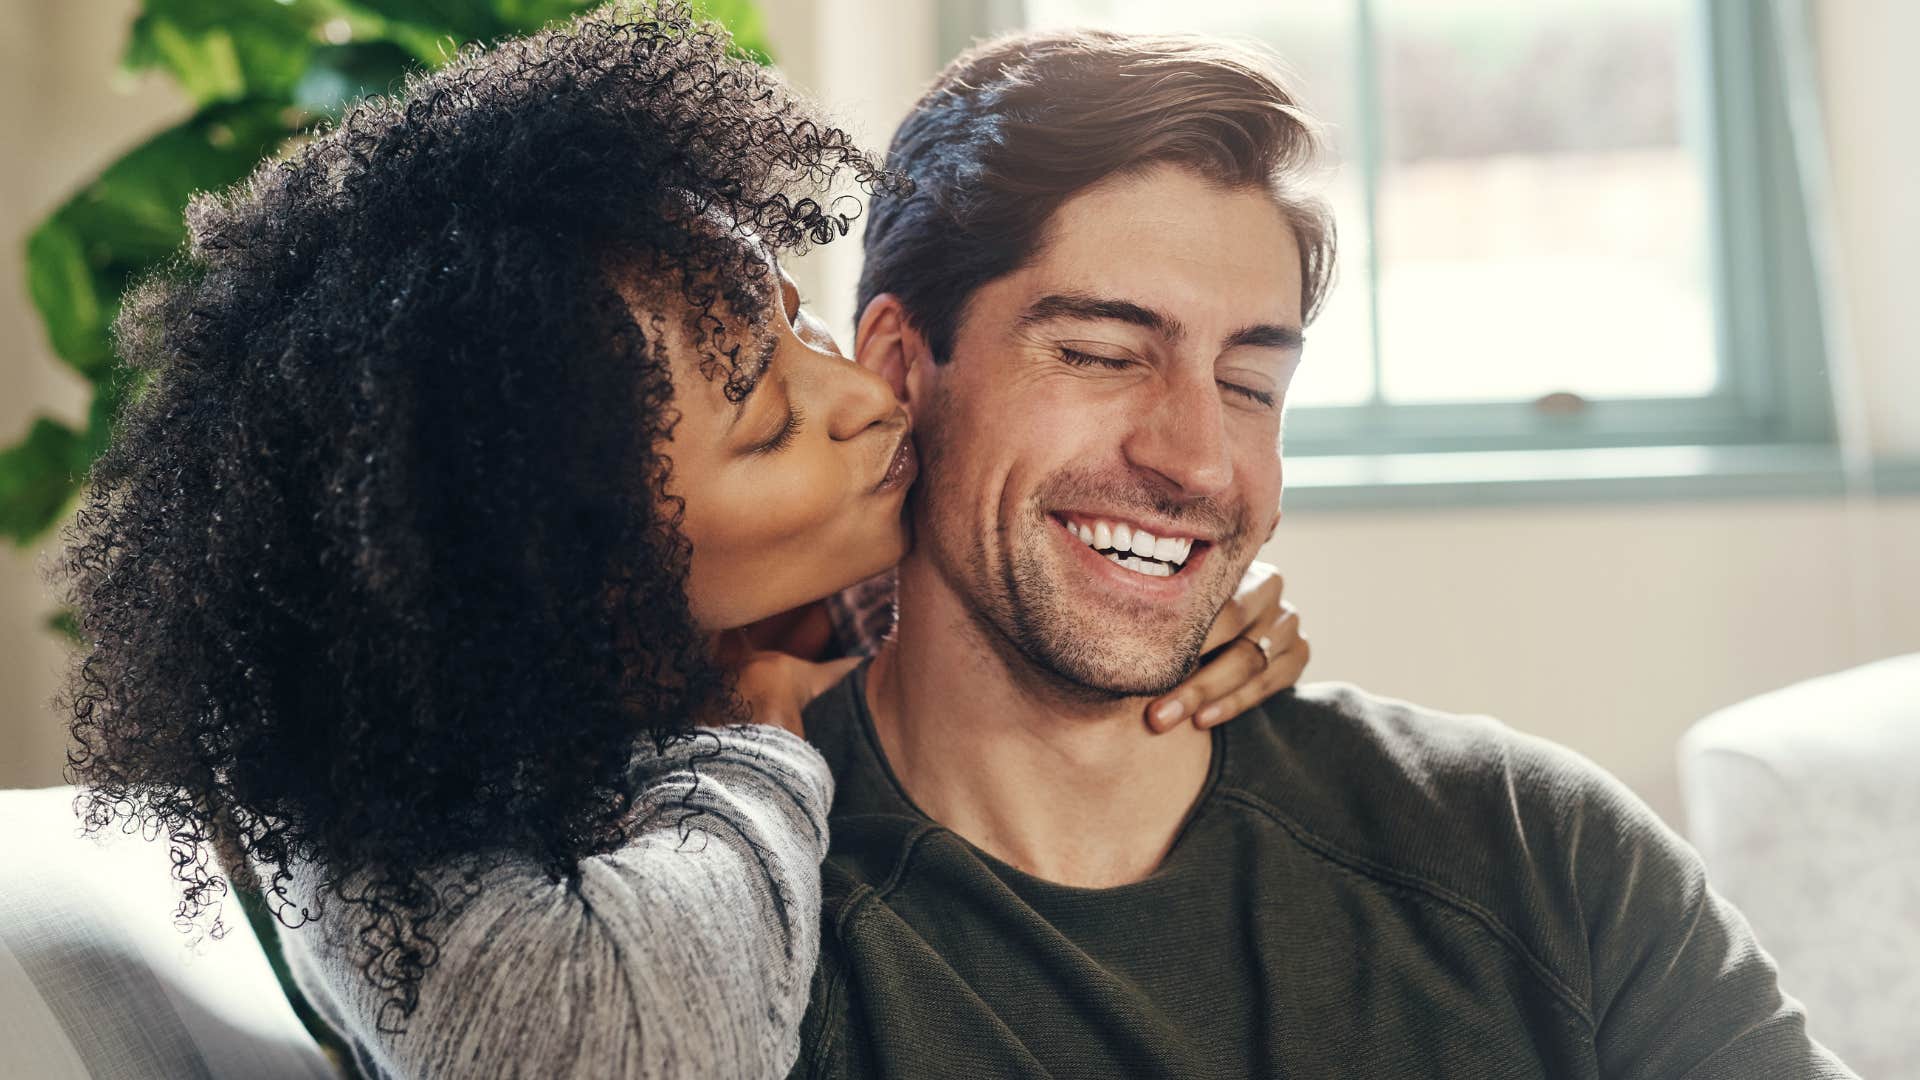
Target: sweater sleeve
column 1680, row 987
column 686, row 953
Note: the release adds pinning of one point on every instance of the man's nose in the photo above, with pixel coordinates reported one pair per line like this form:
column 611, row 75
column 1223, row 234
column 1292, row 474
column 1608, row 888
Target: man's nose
column 856, row 399
column 1182, row 437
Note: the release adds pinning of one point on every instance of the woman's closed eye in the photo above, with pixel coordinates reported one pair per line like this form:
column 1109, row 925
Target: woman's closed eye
column 783, row 437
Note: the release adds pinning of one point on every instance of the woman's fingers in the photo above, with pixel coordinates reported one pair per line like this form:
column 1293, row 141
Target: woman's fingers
column 1232, row 666
column 1256, row 601
column 777, row 688
column 1237, row 675
column 1257, row 595
column 1283, row 672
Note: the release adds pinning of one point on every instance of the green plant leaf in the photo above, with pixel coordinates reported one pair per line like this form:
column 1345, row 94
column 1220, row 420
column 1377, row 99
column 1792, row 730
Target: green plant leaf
column 742, row 18
column 64, row 623
column 227, row 50
column 64, row 289
column 340, row 74
column 464, row 20
column 525, row 16
column 38, row 479
column 432, row 29
column 80, row 260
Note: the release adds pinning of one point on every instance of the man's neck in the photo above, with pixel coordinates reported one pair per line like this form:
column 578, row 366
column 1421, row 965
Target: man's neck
column 1077, row 793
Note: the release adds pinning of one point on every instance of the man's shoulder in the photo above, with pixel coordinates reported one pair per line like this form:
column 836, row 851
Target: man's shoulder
column 1334, row 748
column 1504, row 826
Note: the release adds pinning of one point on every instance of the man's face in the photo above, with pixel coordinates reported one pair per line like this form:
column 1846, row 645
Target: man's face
column 1129, row 379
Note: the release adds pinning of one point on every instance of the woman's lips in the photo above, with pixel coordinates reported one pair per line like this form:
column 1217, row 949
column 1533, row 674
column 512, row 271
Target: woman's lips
column 902, row 468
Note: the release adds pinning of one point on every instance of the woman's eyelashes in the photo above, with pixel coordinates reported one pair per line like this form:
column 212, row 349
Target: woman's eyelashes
column 783, row 438
column 1078, row 358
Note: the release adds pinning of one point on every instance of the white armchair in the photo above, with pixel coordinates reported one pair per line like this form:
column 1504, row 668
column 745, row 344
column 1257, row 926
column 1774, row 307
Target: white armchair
column 1805, row 804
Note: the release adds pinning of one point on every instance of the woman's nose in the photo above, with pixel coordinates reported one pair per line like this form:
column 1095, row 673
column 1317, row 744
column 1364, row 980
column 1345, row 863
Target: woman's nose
column 857, row 399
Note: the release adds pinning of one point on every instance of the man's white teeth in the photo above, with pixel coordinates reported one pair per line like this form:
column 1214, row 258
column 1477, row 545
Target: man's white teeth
column 1142, row 566
column 1121, row 542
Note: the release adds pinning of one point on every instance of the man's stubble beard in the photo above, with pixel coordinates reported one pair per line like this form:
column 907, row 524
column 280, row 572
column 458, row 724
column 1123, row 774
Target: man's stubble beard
column 1019, row 611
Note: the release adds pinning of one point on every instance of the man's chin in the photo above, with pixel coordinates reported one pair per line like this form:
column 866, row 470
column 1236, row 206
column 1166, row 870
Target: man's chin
column 1112, row 671
column 1093, row 647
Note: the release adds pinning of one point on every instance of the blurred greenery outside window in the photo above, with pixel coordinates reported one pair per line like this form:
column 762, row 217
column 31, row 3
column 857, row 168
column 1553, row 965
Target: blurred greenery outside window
column 1575, row 260
column 261, row 75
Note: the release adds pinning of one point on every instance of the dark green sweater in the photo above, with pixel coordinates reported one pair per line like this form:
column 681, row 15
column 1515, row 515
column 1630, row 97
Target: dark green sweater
column 1364, row 889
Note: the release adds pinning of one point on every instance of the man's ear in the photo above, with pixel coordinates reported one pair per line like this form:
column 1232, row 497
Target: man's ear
column 886, row 343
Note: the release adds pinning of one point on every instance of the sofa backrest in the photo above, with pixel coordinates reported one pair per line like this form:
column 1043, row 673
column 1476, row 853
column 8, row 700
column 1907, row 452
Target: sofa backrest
column 1805, row 804
column 97, row 981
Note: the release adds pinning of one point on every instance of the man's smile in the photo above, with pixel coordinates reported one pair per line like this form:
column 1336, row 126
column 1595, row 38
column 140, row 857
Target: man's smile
column 1125, row 556
column 1131, row 544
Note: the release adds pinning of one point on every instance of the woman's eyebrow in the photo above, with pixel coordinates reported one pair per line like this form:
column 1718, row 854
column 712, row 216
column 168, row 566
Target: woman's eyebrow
column 759, row 375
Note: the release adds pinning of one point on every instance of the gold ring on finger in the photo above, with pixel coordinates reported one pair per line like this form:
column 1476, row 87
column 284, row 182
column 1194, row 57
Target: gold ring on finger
column 1265, row 645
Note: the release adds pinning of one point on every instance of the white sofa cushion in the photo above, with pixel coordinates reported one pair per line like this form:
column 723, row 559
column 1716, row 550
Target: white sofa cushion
column 97, row 982
column 1805, row 804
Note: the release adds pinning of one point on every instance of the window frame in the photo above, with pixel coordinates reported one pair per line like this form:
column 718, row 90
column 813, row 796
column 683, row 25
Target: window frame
column 1773, row 388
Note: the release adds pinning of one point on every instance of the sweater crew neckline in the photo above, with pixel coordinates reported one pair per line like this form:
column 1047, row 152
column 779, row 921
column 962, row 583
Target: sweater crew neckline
column 1027, row 884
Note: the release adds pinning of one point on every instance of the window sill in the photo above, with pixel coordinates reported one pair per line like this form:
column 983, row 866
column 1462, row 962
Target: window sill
column 1614, row 474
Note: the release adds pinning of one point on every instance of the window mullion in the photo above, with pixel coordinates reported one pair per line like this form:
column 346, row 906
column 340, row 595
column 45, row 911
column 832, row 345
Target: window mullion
column 1371, row 122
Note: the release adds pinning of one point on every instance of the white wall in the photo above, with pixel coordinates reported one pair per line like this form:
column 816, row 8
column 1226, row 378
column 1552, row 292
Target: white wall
column 1869, row 83
column 1608, row 628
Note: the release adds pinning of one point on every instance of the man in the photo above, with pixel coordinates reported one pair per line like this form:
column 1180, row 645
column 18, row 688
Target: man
column 1093, row 303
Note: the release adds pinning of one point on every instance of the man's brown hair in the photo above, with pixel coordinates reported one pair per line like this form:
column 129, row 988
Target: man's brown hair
column 1014, row 127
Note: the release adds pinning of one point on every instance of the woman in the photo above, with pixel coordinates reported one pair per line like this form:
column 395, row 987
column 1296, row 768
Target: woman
column 479, row 444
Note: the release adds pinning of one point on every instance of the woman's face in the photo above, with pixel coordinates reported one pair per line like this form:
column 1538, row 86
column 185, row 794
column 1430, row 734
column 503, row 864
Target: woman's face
column 797, row 491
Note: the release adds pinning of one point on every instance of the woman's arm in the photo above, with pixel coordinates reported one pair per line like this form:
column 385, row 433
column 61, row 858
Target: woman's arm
column 687, row 952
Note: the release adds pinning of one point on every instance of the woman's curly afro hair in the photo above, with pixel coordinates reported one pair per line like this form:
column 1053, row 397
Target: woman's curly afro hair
column 381, row 569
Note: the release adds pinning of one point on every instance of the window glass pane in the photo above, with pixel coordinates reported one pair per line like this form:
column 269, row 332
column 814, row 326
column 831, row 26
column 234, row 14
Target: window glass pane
column 1315, row 39
column 1541, row 196
column 1542, row 204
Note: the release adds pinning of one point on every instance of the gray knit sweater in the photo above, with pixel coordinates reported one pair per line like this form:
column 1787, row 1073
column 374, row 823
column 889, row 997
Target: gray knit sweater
column 686, row 953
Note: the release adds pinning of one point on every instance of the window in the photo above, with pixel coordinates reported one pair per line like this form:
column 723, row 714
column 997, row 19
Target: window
column 1564, row 223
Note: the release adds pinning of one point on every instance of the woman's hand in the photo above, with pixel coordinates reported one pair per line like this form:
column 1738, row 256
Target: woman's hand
column 1240, row 672
column 776, row 686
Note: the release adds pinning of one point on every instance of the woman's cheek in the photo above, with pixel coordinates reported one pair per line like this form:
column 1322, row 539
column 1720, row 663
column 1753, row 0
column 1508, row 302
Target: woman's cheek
column 791, row 498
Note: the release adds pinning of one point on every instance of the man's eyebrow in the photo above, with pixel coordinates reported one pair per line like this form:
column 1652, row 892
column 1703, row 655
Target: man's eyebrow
column 1266, row 336
column 759, row 376
column 1083, row 306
